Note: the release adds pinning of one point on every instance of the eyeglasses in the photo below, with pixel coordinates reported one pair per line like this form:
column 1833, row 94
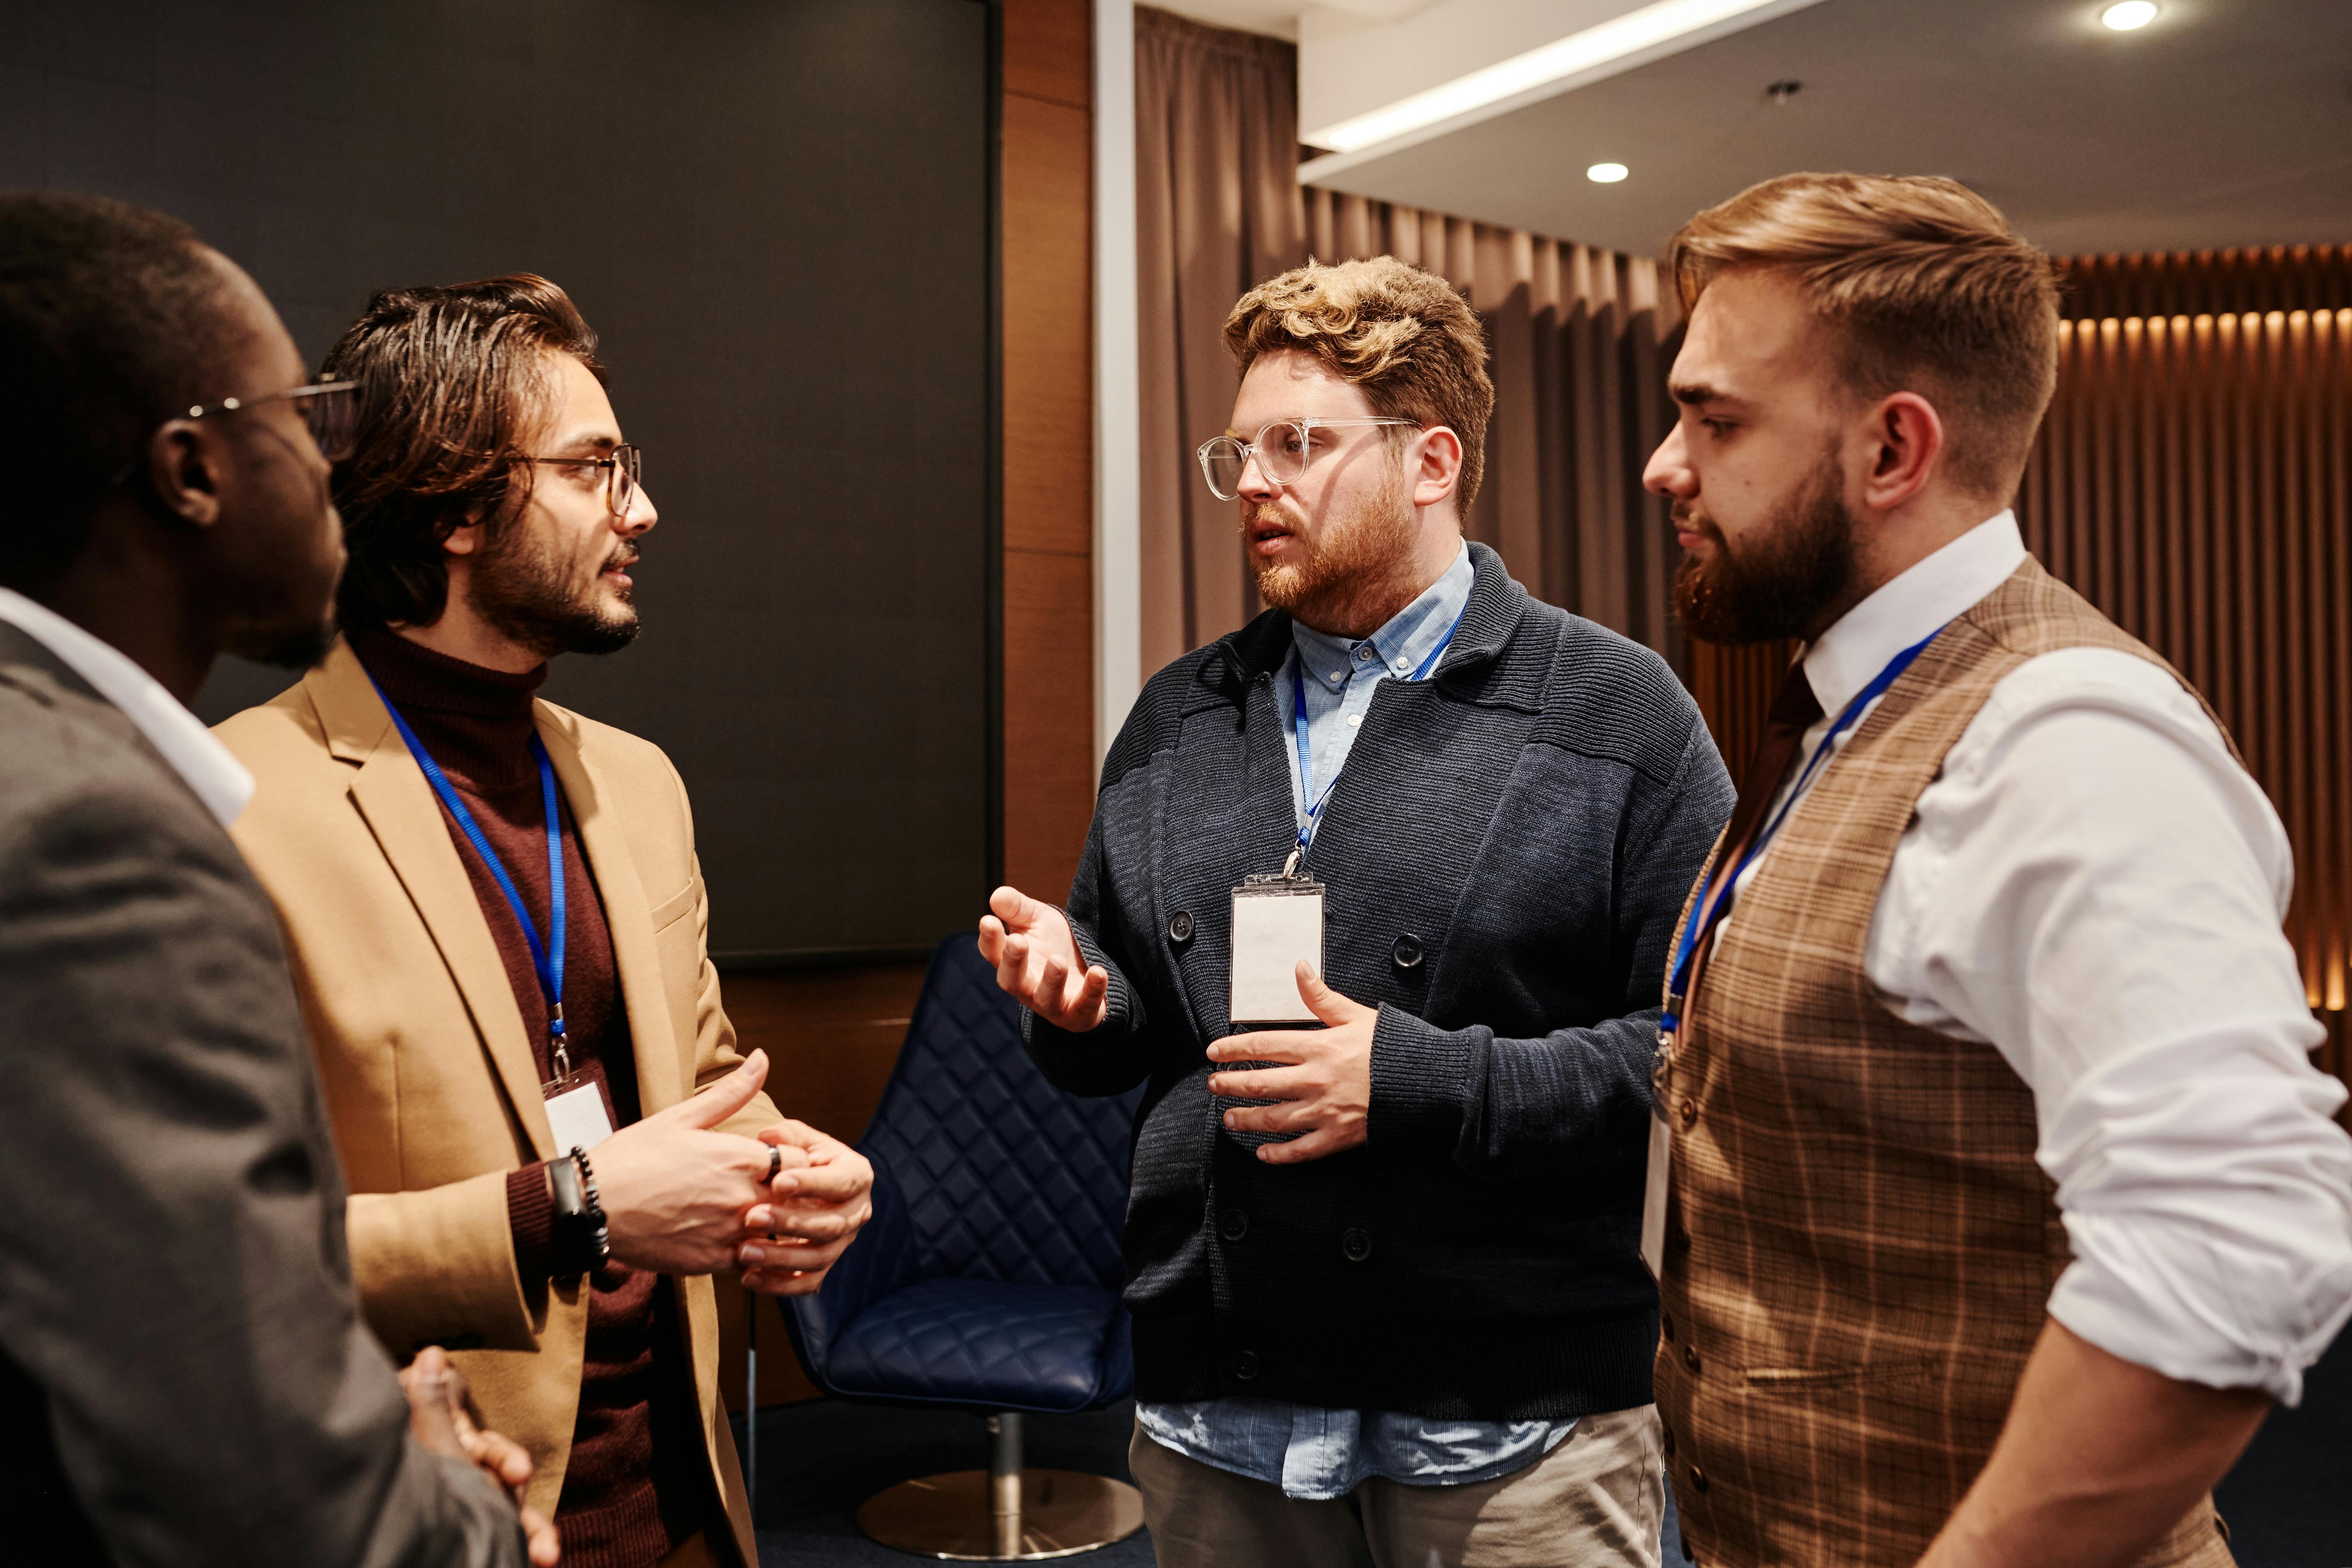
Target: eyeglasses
column 329, row 407
column 1283, row 450
column 626, row 467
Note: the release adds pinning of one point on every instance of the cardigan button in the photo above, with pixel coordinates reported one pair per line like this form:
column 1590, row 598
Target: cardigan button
column 1179, row 927
column 1408, row 951
column 1232, row 1225
column 1244, row 1366
column 1356, row 1246
column 1688, row 1111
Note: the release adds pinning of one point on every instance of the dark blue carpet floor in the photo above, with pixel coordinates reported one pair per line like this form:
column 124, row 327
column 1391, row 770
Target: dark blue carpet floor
column 2289, row 1501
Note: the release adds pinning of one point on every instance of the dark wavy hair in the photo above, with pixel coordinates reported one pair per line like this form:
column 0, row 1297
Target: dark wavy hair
column 450, row 379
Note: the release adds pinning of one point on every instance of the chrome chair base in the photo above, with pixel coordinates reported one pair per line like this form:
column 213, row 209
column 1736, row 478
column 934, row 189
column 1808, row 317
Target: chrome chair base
column 1059, row 1514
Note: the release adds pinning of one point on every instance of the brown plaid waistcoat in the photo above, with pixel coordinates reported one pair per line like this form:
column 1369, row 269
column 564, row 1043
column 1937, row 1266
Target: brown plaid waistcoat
column 1860, row 1244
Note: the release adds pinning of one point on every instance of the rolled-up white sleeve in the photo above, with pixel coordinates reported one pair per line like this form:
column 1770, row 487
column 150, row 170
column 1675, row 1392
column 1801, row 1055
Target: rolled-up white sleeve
column 2094, row 886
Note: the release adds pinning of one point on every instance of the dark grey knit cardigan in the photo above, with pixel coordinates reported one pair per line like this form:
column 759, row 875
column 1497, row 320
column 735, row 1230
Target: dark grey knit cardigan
column 1507, row 852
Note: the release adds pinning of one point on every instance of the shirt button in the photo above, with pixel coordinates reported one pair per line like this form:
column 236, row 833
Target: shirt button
column 1232, row 1225
column 1407, row 954
column 1355, row 718
column 1179, row 927
column 1244, row 1366
column 1688, row 1111
column 1365, row 651
column 1356, row 1246
column 1690, row 1359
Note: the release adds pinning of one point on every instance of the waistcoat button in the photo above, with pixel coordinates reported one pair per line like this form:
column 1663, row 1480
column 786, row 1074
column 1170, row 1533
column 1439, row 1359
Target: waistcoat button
column 1179, row 927
column 1666, row 1326
column 1232, row 1225
column 1244, row 1364
column 1357, row 1246
column 1407, row 953
column 1698, row 1478
column 1688, row 1111
column 1690, row 1359
column 1667, row 1435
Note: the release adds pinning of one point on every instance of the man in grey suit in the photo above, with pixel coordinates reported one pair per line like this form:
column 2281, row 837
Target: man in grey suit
column 184, row 1375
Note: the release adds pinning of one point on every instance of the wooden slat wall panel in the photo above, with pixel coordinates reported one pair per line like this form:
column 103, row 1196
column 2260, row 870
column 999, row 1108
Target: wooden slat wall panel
column 2232, row 282
column 2193, row 480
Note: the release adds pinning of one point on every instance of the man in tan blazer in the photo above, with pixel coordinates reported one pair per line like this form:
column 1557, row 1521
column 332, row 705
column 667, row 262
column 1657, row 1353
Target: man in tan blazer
column 487, row 990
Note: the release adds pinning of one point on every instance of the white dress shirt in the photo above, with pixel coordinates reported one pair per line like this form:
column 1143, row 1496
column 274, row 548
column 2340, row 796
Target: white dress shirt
column 220, row 781
column 2094, row 886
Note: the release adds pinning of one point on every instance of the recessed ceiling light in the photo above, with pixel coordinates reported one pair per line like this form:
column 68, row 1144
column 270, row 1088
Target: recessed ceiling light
column 2129, row 16
column 1606, row 173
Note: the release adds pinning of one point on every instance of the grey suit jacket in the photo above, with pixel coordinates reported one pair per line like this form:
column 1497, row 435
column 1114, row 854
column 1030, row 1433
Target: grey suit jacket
column 184, row 1375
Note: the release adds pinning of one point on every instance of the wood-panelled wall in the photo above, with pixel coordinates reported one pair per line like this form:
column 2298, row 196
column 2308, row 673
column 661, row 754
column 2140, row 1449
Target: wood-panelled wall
column 1047, row 180
column 2194, row 480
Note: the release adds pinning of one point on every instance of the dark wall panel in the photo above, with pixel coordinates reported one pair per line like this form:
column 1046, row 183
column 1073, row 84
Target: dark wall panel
column 777, row 214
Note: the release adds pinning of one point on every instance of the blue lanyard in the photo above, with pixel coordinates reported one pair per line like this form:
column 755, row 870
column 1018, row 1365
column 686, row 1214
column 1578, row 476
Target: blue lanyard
column 548, row 964
column 1299, row 729
column 1703, row 917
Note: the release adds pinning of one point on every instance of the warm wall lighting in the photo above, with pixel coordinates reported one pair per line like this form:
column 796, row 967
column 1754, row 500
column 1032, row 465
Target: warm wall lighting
column 1635, row 34
column 2129, row 16
column 1606, row 173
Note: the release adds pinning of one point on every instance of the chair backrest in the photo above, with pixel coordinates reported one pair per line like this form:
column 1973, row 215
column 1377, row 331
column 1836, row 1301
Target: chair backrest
column 1003, row 1176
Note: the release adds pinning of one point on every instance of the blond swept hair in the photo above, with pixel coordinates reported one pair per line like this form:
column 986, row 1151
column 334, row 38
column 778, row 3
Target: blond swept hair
column 1401, row 335
column 1927, row 288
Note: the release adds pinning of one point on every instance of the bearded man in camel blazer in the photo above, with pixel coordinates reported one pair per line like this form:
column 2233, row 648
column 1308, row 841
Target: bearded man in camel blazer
column 491, row 510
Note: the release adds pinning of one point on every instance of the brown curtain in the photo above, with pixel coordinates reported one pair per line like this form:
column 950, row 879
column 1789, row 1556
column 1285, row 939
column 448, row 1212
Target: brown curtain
column 1575, row 334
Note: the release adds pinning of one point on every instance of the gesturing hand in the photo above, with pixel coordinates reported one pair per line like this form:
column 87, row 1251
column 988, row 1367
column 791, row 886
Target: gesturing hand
column 1037, row 961
column 811, row 1213
column 674, row 1191
column 441, row 1416
column 1323, row 1093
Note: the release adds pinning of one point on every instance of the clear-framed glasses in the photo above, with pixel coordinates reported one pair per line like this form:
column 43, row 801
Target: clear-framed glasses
column 331, row 409
column 1283, row 450
column 624, row 471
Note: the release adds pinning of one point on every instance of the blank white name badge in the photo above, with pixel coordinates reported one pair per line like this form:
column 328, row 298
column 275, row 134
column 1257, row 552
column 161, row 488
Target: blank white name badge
column 1278, row 922
column 578, row 1119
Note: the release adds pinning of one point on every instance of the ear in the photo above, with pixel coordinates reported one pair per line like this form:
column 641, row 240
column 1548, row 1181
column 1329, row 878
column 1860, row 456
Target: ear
column 465, row 538
column 1906, row 446
column 1439, row 470
column 185, row 468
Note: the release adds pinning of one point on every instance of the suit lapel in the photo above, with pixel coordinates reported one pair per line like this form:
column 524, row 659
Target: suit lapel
column 390, row 793
column 662, row 1078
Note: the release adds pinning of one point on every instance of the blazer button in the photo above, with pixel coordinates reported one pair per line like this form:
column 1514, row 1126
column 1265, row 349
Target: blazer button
column 1698, row 1478
column 1690, row 1359
column 1179, row 927
column 1407, row 953
column 1688, row 1111
column 1356, row 1245
column 1244, row 1366
column 1232, row 1225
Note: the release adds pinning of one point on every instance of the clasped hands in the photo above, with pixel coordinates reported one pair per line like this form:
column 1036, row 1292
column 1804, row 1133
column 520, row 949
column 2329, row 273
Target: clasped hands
column 682, row 1197
column 1320, row 1087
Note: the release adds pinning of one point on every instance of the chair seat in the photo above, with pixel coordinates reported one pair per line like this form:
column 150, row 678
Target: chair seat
column 994, row 1344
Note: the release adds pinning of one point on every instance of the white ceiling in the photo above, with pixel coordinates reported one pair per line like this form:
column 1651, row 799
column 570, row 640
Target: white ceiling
column 2224, row 123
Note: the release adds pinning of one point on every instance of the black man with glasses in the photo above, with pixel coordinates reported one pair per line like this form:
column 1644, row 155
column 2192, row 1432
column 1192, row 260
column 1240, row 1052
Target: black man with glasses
column 1376, row 903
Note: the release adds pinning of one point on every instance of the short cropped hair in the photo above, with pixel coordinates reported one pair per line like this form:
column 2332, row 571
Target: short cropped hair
column 451, row 381
column 1927, row 288
column 112, row 320
column 1403, row 335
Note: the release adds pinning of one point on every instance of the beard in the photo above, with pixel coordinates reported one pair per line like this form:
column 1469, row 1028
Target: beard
column 1351, row 565
column 1796, row 576
column 530, row 594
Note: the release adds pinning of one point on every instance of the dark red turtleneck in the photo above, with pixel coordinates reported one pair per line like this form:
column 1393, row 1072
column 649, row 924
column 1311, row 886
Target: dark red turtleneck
column 638, row 1479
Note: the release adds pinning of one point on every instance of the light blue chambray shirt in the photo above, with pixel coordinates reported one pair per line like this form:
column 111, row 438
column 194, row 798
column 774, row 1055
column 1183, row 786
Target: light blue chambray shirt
column 1309, row 1452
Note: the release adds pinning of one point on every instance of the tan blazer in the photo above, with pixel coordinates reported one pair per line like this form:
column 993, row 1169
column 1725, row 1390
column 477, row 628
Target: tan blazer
column 422, row 1053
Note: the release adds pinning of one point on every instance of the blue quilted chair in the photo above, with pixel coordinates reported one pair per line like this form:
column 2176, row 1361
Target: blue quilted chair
column 988, row 1278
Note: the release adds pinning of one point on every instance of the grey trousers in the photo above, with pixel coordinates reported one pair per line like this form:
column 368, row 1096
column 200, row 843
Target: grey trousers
column 1595, row 1501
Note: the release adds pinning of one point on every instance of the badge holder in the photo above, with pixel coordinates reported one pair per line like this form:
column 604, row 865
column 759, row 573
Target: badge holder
column 575, row 1106
column 1278, row 922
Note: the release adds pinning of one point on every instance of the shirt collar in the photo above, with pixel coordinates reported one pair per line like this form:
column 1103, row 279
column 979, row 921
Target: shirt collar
column 1401, row 645
column 219, row 779
column 1909, row 607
